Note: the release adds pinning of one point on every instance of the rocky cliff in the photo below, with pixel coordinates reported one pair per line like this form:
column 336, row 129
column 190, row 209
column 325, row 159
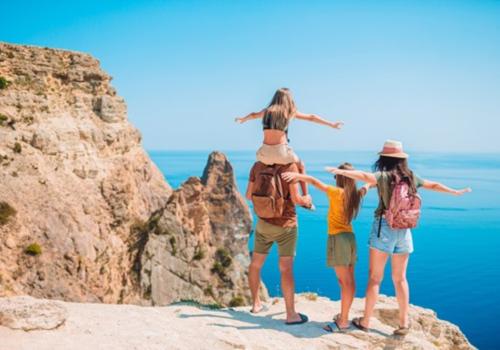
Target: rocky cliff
column 84, row 213
column 187, row 326
column 196, row 247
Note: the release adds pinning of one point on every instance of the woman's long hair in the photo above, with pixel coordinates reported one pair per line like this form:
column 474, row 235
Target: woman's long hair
column 398, row 170
column 352, row 196
column 282, row 107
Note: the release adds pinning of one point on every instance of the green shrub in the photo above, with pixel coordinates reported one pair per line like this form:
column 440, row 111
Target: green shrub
column 4, row 83
column 237, row 301
column 214, row 306
column 173, row 244
column 218, row 269
column 209, row 291
column 199, row 254
column 3, row 119
column 17, row 147
column 6, row 212
column 222, row 256
column 33, row 249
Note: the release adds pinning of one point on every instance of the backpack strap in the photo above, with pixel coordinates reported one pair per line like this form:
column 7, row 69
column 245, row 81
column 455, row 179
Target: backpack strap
column 277, row 179
column 382, row 203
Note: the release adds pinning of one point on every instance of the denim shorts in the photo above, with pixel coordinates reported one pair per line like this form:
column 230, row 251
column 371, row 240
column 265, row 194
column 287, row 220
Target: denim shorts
column 391, row 241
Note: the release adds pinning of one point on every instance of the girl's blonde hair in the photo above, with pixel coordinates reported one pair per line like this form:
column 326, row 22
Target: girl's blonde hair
column 282, row 107
column 352, row 196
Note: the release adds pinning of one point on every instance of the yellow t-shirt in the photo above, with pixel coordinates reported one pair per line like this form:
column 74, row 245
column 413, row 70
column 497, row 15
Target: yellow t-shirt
column 337, row 221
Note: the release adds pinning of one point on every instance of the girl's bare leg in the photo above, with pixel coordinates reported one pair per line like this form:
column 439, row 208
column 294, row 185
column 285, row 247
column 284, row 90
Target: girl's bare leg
column 378, row 259
column 345, row 275
column 399, row 265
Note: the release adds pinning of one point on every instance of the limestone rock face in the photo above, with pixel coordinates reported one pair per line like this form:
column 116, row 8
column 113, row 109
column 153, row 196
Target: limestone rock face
column 28, row 314
column 74, row 179
column 196, row 247
column 84, row 213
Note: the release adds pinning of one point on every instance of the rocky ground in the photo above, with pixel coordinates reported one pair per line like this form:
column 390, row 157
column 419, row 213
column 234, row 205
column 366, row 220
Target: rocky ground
column 185, row 326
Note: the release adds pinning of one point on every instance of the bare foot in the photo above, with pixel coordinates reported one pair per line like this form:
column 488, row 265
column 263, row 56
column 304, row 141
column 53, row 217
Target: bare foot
column 256, row 308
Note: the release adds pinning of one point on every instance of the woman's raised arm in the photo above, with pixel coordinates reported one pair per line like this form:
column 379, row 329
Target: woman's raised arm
column 318, row 120
column 439, row 187
column 364, row 176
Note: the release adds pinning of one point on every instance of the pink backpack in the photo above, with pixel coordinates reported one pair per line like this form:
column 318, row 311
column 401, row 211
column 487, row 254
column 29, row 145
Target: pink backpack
column 404, row 207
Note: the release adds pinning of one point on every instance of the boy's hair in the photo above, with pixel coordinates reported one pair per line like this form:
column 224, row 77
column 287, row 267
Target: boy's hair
column 352, row 196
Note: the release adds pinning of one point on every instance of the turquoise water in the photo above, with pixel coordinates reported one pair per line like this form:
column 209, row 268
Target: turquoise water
column 454, row 269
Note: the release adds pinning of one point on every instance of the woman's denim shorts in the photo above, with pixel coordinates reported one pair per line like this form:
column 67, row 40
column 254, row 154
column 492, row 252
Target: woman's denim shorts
column 391, row 241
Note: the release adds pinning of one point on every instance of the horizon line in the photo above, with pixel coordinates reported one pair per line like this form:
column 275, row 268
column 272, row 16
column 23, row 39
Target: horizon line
column 323, row 150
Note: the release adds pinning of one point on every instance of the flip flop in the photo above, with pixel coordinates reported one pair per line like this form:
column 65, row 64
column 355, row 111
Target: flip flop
column 401, row 331
column 357, row 323
column 303, row 319
column 333, row 327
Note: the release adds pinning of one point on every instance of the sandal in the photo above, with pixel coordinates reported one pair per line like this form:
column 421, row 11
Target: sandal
column 303, row 319
column 333, row 327
column 402, row 331
column 357, row 323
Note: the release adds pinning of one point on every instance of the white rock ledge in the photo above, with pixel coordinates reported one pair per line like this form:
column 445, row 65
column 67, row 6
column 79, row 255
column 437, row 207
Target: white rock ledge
column 185, row 326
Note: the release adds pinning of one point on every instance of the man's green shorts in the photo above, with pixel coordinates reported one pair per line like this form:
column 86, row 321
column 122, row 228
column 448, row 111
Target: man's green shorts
column 341, row 249
column 266, row 234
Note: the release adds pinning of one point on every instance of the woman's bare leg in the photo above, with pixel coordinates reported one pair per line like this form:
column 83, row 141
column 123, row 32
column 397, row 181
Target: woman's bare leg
column 378, row 259
column 303, row 185
column 345, row 275
column 399, row 265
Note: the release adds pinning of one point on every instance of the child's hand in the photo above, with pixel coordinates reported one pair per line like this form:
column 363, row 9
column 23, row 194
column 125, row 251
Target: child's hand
column 462, row 191
column 239, row 120
column 337, row 125
column 289, row 176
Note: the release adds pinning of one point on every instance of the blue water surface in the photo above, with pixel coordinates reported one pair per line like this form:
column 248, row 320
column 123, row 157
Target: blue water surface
column 454, row 269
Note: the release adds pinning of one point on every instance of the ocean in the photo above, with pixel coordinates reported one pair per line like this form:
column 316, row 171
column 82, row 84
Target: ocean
column 455, row 268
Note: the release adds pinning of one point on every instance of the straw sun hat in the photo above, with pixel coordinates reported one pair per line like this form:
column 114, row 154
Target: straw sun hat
column 394, row 149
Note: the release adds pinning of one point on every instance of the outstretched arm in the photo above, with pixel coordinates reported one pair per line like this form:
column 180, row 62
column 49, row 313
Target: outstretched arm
column 364, row 176
column 291, row 177
column 251, row 116
column 365, row 188
column 439, row 187
column 318, row 120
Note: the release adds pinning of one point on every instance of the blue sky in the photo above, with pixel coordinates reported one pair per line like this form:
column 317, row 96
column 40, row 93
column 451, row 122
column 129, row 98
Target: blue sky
column 425, row 72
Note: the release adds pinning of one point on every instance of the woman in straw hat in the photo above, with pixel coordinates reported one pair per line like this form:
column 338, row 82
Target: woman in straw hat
column 390, row 169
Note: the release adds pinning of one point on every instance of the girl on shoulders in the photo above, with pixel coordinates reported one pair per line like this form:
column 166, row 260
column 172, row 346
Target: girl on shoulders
column 276, row 118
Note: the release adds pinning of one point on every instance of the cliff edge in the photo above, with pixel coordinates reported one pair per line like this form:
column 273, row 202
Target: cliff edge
column 188, row 326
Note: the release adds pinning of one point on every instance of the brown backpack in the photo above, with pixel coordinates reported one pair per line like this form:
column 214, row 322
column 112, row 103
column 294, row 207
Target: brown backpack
column 267, row 193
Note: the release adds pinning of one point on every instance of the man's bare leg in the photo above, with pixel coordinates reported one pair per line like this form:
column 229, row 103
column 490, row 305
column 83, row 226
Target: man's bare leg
column 288, row 288
column 254, row 279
